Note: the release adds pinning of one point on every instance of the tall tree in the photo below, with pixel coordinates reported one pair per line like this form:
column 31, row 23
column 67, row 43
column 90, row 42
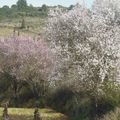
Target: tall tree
column 21, row 5
column 44, row 8
column 86, row 44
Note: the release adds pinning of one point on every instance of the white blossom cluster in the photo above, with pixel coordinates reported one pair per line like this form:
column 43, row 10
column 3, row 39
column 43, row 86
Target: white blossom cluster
column 86, row 44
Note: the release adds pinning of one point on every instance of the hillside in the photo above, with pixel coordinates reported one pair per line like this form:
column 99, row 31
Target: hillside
column 33, row 26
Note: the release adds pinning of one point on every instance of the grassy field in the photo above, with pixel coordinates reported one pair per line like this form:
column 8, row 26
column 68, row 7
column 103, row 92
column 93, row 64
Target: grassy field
column 5, row 32
column 27, row 114
column 35, row 24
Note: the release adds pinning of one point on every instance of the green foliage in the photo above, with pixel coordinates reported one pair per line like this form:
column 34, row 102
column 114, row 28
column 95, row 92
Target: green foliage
column 22, row 9
column 44, row 8
column 4, row 82
column 79, row 105
column 5, row 11
column 82, row 105
column 22, row 5
column 112, row 92
column 14, row 7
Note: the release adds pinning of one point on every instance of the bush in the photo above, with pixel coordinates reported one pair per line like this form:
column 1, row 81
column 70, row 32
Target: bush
column 81, row 105
column 4, row 82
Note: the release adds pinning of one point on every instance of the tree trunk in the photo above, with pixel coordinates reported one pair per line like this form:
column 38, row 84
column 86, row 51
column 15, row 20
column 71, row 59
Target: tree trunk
column 37, row 115
column 5, row 112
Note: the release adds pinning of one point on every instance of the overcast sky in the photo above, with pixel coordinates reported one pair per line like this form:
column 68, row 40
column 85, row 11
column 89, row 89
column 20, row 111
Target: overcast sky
column 47, row 2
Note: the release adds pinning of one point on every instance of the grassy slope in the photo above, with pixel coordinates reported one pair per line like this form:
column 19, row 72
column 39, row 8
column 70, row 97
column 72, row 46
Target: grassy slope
column 27, row 114
column 35, row 26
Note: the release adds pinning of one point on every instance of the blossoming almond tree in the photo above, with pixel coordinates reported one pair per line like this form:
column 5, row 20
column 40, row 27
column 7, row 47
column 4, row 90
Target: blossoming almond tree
column 26, row 59
column 86, row 44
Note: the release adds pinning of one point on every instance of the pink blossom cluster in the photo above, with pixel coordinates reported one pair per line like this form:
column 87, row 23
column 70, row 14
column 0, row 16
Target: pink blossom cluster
column 25, row 58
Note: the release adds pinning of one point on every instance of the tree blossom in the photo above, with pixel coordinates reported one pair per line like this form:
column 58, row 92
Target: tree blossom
column 26, row 59
column 86, row 45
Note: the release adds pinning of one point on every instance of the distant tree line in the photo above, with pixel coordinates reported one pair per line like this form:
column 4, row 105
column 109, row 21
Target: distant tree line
column 21, row 8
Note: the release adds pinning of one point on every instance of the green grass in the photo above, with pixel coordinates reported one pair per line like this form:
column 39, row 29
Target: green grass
column 27, row 114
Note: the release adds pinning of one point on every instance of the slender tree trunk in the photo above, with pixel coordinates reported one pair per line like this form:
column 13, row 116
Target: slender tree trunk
column 5, row 112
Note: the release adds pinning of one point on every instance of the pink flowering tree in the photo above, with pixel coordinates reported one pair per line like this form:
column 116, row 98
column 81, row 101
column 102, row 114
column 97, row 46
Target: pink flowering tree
column 26, row 60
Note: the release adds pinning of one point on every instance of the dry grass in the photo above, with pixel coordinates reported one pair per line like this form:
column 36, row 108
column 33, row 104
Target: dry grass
column 36, row 25
column 27, row 114
column 4, row 31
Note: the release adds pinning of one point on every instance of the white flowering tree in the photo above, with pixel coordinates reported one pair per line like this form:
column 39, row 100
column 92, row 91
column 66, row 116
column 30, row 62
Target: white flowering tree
column 26, row 60
column 86, row 44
